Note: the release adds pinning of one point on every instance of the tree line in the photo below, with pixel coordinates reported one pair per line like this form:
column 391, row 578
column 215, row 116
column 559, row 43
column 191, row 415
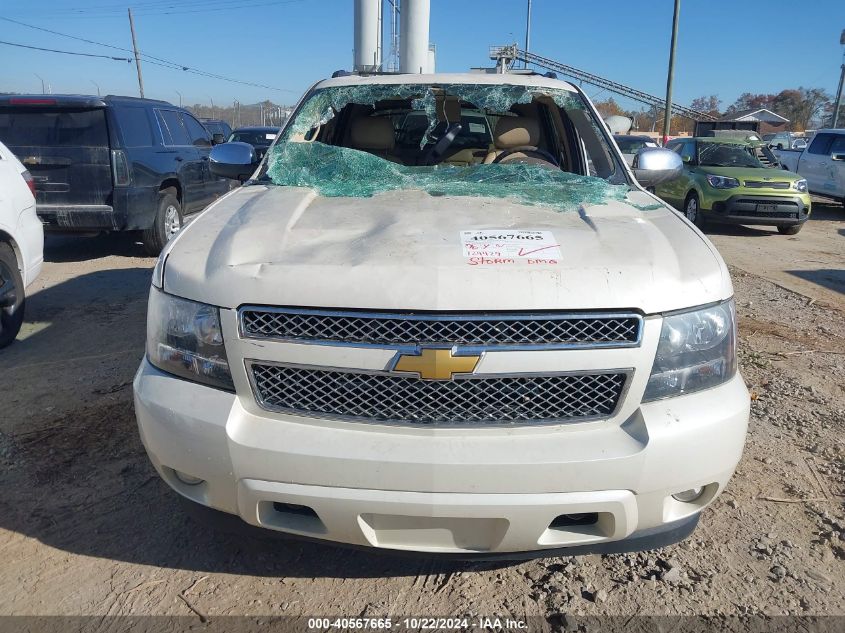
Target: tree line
column 806, row 108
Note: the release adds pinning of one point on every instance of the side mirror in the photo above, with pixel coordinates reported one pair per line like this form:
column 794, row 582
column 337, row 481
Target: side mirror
column 654, row 165
column 686, row 159
column 233, row 160
column 217, row 139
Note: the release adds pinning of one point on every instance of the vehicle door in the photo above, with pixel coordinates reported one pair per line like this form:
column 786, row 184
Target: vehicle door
column 187, row 163
column 65, row 148
column 812, row 164
column 836, row 166
column 212, row 186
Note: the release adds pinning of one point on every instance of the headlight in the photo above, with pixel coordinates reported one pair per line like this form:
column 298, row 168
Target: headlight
column 722, row 182
column 184, row 339
column 800, row 185
column 697, row 350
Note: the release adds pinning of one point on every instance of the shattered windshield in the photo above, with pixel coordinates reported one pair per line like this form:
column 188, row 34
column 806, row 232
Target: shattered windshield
column 726, row 155
column 535, row 145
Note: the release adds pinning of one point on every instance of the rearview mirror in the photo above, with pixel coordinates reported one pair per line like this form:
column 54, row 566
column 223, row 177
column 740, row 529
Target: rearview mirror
column 233, row 160
column 654, row 165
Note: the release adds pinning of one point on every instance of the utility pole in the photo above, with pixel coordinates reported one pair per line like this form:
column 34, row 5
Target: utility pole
column 528, row 32
column 667, row 116
column 841, row 81
column 180, row 97
column 43, row 87
column 98, row 86
column 137, row 56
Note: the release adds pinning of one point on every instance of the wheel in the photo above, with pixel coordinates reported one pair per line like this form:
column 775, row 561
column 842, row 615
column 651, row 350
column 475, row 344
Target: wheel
column 693, row 211
column 166, row 224
column 12, row 298
column 789, row 229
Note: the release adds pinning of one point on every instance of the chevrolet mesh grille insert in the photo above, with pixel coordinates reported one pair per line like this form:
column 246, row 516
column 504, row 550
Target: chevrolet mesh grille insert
column 383, row 397
column 398, row 329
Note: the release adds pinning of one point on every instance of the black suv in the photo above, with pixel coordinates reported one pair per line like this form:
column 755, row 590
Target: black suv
column 111, row 163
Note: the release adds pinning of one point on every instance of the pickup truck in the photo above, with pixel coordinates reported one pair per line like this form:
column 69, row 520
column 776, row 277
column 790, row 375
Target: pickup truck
column 822, row 163
column 445, row 345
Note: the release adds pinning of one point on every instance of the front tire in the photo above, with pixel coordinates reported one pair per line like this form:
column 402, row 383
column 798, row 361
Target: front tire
column 692, row 211
column 12, row 300
column 789, row 229
column 166, row 224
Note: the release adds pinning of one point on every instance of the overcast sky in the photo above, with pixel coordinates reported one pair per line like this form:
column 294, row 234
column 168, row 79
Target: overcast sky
column 725, row 46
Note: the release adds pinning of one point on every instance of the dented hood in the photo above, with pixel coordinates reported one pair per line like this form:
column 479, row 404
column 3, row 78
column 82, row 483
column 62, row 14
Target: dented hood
column 403, row 250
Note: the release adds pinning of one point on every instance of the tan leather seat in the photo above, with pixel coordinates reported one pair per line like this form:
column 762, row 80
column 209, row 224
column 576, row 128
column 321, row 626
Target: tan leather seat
column 374, row 135
column 511, row 132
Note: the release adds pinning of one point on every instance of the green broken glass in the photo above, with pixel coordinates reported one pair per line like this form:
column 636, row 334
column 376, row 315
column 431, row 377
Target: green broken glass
column 334, row 171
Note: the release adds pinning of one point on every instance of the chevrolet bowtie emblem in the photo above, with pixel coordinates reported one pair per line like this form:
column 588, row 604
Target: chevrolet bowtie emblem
column 436, row 364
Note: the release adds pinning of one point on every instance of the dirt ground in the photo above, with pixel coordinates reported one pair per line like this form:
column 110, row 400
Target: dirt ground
column 87, row 528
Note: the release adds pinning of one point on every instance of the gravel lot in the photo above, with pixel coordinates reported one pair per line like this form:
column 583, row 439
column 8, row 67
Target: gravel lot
column 87, row 528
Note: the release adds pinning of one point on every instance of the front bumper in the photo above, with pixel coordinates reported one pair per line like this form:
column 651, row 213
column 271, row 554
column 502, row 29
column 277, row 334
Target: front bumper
column 761, row 209
column 451, row 491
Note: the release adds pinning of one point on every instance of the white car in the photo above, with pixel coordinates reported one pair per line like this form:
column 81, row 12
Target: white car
column 421, row 343
column 21, row 243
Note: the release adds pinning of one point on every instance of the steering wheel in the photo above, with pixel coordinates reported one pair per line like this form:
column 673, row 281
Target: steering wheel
column 527, row 149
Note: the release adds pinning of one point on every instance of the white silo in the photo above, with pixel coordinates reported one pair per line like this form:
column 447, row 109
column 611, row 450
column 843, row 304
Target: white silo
column 413, row 36
column 367, row 41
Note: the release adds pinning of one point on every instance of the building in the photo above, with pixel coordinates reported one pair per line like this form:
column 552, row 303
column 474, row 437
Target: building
column 766, row 120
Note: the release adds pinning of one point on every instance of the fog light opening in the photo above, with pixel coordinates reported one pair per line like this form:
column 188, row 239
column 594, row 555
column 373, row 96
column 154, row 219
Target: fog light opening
column 688, row 496
column 187, row 479
column 295, row 509
column 573, row 520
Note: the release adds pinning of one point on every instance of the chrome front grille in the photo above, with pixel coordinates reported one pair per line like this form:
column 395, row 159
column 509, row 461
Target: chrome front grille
column 761, row 184
column 485, row 330
column 470, row 400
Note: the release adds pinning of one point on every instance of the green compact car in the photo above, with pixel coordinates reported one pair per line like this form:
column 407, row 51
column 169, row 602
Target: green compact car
column 723, row 181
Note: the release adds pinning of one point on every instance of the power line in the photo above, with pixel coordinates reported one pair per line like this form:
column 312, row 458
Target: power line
column 53, row 50
column 168, row 7
column 152, row 59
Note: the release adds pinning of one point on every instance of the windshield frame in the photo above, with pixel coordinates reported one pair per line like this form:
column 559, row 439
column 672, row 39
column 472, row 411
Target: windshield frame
column 621, row 171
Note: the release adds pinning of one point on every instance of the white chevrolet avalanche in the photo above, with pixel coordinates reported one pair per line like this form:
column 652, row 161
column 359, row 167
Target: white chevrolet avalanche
column 443, row 315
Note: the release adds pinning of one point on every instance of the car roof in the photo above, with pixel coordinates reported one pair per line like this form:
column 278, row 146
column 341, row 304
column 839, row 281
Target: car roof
column 642, row 137
column 79, row 101
column 485, row 79
column 726, row 140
